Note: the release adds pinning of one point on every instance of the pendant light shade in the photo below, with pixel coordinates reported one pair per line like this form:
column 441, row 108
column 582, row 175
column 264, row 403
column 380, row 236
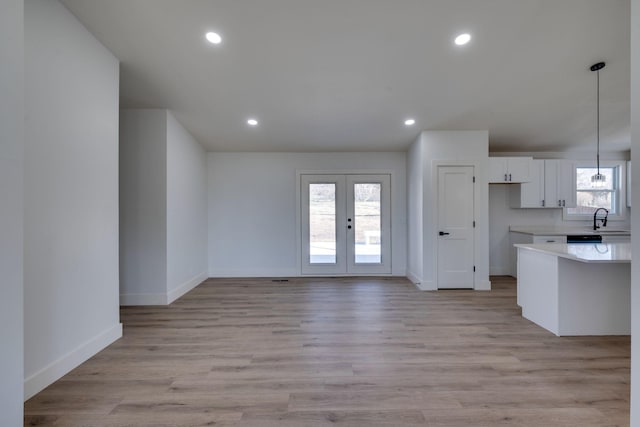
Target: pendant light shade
column 598, row 179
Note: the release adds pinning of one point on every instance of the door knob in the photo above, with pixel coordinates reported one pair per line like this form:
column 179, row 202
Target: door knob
column 443, row 233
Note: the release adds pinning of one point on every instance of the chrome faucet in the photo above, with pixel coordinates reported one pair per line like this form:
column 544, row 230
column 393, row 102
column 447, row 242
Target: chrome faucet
column 603, row 220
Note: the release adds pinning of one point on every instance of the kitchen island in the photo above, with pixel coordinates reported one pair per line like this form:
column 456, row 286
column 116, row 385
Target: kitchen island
column 576, row 289
column 519, row 234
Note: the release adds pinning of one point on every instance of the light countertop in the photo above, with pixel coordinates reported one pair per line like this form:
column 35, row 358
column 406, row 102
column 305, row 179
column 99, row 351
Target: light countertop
column 585, row 252
column 539, row 230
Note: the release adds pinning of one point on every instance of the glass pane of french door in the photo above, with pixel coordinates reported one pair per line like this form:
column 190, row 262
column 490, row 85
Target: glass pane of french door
column 322, row 223
column 367, row 224
column 323, row 233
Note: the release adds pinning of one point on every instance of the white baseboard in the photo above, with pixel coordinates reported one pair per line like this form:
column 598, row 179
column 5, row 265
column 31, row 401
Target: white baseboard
column 186, row 287
column 499, row 270
column 427, row 285
column 414, row 278
column 55, row 370
column 143, row 299
column 483, row 285
column 266, row 272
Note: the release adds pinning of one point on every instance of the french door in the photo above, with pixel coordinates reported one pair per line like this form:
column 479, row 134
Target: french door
column 346, row 224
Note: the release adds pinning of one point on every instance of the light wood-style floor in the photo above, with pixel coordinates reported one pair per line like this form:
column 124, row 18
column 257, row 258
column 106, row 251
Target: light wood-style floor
column 346, row 352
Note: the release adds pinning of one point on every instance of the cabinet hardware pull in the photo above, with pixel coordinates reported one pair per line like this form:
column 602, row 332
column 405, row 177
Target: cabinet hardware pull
column 505, row 176
column 509, row 177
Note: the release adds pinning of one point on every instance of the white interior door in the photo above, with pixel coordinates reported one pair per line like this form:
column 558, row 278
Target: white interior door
column 346, row 224
column 455, row 227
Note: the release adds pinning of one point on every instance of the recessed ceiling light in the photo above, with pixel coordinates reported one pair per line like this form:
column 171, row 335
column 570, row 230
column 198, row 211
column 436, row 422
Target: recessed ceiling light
column 410, row 122
column 252, row 122
column 462, row 39
column 213, row 38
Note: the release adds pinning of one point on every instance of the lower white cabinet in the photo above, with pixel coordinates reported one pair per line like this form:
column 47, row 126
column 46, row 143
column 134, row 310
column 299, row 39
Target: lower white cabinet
column 549, row 239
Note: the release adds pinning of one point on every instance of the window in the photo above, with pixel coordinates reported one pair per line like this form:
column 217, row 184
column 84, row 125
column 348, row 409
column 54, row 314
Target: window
column 591, row 196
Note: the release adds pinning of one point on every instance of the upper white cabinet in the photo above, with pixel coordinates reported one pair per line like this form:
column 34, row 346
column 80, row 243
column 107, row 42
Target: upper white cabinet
column 629, row 183
column 509, row 169
column 551, row 186
column 565, row 183
column 530, row 194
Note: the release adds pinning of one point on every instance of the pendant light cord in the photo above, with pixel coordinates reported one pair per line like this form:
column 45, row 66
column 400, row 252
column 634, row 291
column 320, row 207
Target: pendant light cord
column 598, row 121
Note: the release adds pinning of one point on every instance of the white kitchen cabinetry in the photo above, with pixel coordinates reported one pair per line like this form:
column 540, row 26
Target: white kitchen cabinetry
column 565, row 183
column 510, row 170
column 629, row 183
column 551, row 186
column 530, row 194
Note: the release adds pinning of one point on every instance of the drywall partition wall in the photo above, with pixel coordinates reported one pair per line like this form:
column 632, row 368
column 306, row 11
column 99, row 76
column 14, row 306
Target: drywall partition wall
column 70, row 195
column 253, row 206
column 143, row 202
column 186, row 210
column 11, row 147
column 635, row 213
column 163, row 208
column 454, row 148
column 415, row 192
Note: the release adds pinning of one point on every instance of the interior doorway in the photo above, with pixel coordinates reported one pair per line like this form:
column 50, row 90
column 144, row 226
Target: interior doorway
column 456, row 227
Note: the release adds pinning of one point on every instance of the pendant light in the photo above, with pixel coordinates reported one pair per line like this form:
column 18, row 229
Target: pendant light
column 598, row 179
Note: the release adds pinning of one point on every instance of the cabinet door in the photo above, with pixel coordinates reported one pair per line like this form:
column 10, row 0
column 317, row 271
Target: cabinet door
column 549, row 239
column 566, row 183
column 629, row 183
column 519, row 169
column 497, row 169
column 551, row 184
column 532, row 193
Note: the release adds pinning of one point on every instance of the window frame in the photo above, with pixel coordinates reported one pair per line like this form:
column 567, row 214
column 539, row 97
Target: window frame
column 619, row 189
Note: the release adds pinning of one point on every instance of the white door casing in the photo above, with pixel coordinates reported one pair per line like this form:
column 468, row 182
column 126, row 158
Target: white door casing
column 455, row 253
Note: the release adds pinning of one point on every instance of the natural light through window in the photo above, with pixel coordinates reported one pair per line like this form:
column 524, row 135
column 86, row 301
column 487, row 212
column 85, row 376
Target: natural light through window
column 591, row 196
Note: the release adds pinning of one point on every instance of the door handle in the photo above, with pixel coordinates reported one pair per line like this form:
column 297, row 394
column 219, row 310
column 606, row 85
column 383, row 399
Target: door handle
column 443, row 233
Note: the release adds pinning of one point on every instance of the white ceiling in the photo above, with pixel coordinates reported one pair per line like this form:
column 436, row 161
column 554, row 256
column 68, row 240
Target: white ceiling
column 342, row 75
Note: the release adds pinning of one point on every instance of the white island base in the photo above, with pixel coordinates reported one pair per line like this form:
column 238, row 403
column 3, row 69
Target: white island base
column 581, row 289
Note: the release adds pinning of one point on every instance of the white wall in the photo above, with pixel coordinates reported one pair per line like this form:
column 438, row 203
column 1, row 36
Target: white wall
column 501, row 215
column 453, row 148
column 70, row 195
column 415, row 193
column 186, row 210
column 11, row 169
column 143, row 201
column 253, row 204
column 163, row 212
column 635, row 213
